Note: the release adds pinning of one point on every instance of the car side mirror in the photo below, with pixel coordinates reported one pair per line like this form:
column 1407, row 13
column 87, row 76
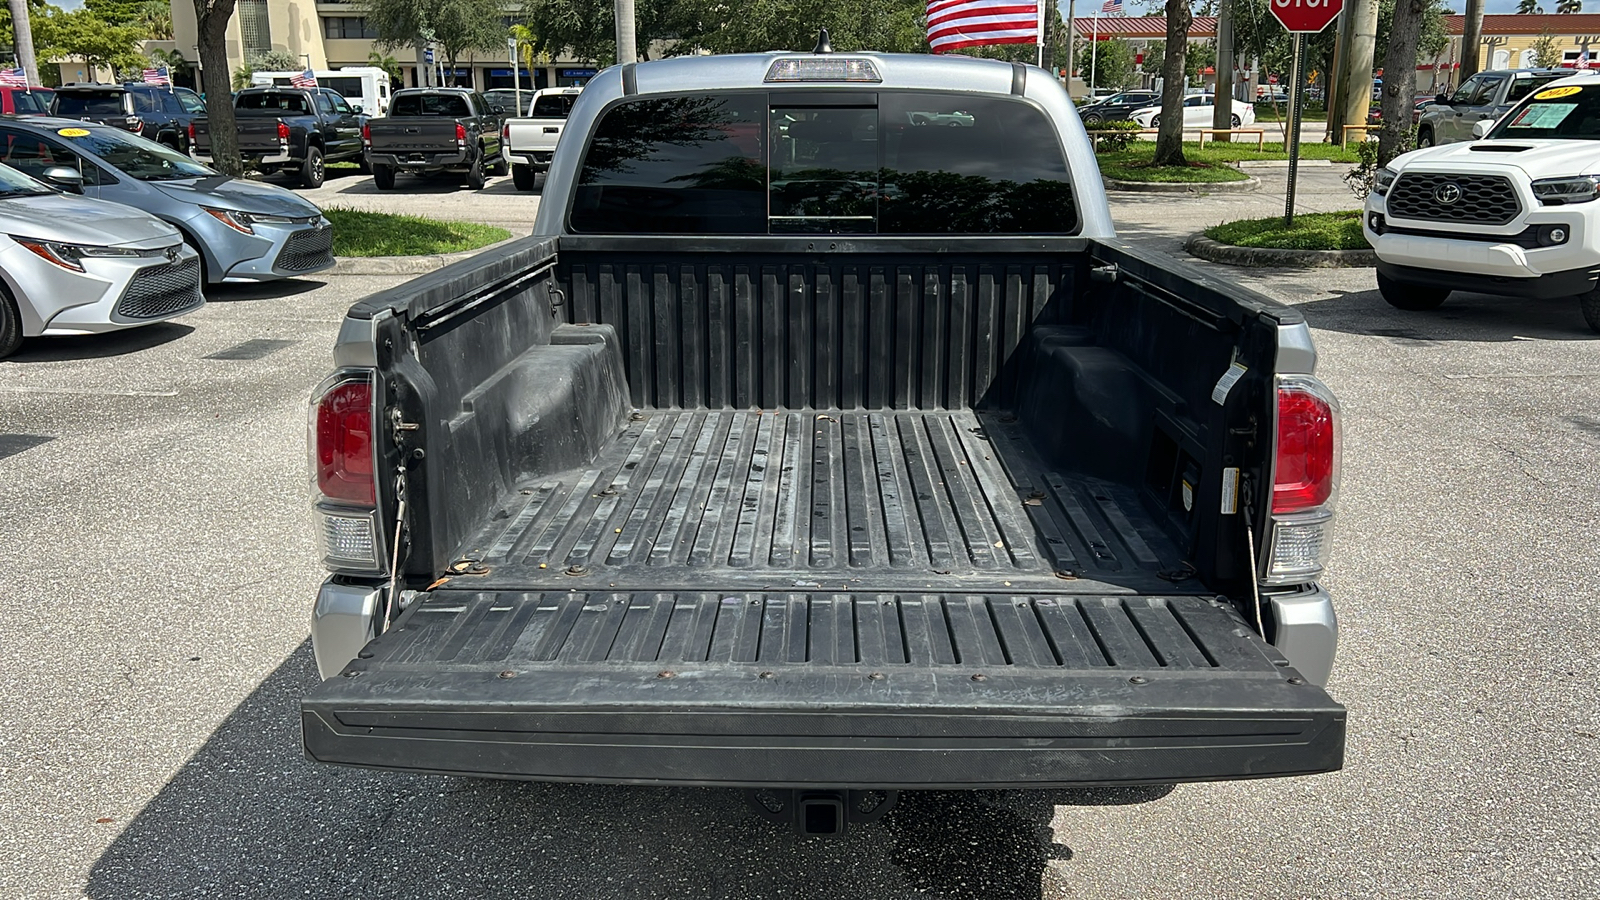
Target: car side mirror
column 497, row 109
column 355, row 109
column 1442, row 99
column 65, row 178
column 1482, row 127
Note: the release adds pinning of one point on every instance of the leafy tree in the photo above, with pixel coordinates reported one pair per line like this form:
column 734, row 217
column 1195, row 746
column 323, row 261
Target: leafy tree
column 379, row 60
column 1546, row 53
column 1155, row 53
column 1529, row 7
column 1111, row 63
column 82, row 35
column 211, row 27
column 457, row 26
column 279, row 61
column 758, row 25
column 155, row 18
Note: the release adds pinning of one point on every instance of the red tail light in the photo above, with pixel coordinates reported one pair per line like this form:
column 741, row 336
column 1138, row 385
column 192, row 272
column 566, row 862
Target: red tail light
column 505, row 132
column 461, row 134
column 1308, row 448
column 343, row 450
column 283, row 132
column 366, row 134
column 191, row 132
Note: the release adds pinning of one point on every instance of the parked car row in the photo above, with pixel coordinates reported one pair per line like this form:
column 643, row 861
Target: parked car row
column 101, row 229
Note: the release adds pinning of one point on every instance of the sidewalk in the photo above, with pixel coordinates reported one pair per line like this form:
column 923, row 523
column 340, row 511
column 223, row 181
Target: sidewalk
column 1163, row 221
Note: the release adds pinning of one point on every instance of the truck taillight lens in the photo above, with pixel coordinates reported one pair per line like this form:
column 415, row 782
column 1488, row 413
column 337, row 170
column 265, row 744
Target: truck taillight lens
column 343, row 465
column 461, row 134
column 1305, row 480
column 505, row 132
column 366, row 135
column 342, row 442
column 191, row 134
column 283, row 132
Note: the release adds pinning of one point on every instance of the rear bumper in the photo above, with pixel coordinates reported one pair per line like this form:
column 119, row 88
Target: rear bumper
column 563, row 688
column 420, row 161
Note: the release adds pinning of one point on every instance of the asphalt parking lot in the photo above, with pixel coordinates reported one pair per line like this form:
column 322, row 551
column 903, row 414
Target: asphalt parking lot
column 160, row 572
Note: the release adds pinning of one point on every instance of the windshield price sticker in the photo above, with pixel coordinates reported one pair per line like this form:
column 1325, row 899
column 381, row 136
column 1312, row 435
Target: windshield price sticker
column 73, row 132
column 1542, row 115
column 1557, row 93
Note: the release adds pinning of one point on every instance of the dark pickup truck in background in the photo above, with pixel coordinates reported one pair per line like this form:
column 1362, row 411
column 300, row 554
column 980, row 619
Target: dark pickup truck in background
column 810, row 448
column 159, row 113
column 292, row 130
column 430, row 131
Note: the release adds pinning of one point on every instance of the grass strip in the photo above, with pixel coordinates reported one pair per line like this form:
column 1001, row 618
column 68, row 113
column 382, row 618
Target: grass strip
column 360, row 233
column 1311, row 231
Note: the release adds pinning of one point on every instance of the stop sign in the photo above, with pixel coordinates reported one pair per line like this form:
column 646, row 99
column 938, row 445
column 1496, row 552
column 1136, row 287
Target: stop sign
column 1309, row 16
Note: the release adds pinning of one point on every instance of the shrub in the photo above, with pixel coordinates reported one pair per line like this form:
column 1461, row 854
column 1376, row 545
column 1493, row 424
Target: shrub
column 1115, row 143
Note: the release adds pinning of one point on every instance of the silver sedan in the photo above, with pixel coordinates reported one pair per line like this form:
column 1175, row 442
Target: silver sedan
column 244, row 230
column 69, row 265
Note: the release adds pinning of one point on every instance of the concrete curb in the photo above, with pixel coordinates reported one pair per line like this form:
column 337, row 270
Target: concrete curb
column 1284, row 163
column 1182, row 187
column 1231, row 255
column 402, row 265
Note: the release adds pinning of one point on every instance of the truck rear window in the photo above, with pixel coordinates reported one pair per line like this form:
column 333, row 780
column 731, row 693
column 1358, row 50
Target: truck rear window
column 451, row 106
column 552, row 106
column 287, row 103
column 70, row 105
column 785, row 163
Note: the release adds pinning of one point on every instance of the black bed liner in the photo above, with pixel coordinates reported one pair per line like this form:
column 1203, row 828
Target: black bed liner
column 892, row 500
column 824, row 690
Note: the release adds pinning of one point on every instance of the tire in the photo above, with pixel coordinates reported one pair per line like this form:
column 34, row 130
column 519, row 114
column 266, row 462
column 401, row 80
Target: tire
column 1425, row 138
column 1155, row 121
column 1589, row 303
column 10, row 325
column 1092, row 120
column 312, row 171
column 1412, row 297
column 363, row 165
column 475, row 177
column 524, row 177
column 1235, row 121
column 383, row 177
column 500, row 167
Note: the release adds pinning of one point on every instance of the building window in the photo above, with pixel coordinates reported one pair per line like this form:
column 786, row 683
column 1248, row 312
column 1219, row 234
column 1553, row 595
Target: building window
column 254, row 28
column 347, row 27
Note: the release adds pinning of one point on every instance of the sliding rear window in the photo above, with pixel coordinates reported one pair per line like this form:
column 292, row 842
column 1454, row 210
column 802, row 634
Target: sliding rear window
column 808, row 163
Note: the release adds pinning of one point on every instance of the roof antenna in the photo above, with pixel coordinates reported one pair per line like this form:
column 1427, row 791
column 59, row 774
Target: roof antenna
column 823, row 44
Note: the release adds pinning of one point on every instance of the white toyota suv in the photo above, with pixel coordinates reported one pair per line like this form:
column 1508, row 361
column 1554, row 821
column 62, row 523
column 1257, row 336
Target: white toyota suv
column 1513, row 213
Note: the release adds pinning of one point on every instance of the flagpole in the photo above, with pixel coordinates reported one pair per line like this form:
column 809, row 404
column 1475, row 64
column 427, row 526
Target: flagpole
column 1040, row 34
column 1094, row 51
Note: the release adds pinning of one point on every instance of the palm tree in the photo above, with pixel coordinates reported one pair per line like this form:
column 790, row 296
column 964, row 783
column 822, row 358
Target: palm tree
column 155, row 18
column 387, row 63
column 1529, row 7
column 1569, row 6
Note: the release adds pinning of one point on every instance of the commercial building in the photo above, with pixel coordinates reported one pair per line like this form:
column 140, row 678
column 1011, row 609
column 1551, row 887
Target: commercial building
column 332, row 35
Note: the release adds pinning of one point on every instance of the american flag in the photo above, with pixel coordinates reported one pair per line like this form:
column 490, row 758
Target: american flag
column 303, row 80
column 954, row 24
column 159, row 75
column 16, row 78
column 1583, row 60
column 1111, row 8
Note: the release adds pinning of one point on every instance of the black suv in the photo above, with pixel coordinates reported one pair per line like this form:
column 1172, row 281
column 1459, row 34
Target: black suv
column 1116, row 107
column 156, row 112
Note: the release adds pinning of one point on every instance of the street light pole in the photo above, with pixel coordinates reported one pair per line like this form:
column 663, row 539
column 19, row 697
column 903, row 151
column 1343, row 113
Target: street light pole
column 627, row 43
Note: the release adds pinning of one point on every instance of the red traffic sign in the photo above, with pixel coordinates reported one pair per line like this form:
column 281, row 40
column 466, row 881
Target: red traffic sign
column 1308, row 16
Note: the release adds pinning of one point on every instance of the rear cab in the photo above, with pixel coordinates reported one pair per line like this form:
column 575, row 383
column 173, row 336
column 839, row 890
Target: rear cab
column 808, row 445
column 104, row 104
column 529, row 143
column 432, row 130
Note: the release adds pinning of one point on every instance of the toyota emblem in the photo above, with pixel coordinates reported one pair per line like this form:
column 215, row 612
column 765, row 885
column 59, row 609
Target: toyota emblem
column 1447, row 193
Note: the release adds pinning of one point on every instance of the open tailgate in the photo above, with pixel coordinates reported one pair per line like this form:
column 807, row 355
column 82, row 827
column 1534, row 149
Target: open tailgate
column 820, row 689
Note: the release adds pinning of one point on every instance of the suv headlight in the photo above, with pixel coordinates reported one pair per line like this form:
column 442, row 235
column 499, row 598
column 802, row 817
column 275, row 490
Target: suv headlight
column 1384, row 181
column 1561, row 191
column 71, row 256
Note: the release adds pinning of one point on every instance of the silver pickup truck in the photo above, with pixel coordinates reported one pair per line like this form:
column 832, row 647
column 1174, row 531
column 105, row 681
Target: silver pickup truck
column 810, row 448
column 529, row 143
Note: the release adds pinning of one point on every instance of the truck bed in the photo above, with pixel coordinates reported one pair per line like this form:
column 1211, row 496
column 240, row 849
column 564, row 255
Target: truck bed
column 843, row 500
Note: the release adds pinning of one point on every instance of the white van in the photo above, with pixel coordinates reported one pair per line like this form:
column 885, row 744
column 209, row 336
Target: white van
column 366, row 86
